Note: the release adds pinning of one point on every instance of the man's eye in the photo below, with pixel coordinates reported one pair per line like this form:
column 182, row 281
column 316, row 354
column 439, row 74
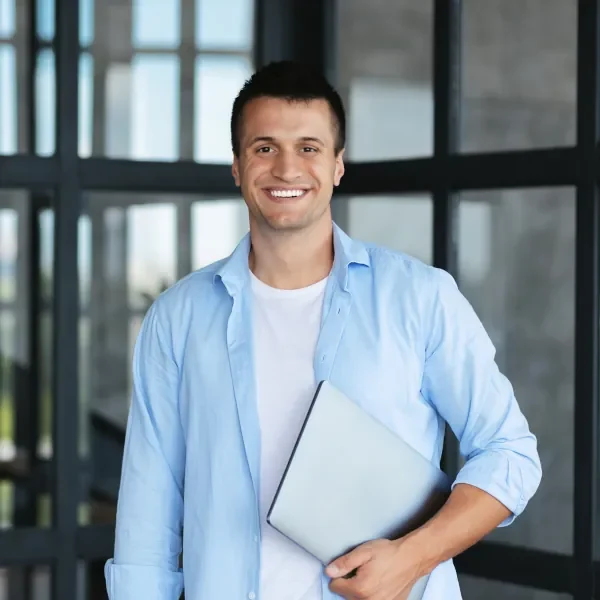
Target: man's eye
column 265, row 149
column 309, row 149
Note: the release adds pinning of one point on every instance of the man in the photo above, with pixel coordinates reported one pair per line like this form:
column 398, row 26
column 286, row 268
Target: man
column 228, row 359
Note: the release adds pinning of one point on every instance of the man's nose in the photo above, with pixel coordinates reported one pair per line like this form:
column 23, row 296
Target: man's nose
column 287, row 166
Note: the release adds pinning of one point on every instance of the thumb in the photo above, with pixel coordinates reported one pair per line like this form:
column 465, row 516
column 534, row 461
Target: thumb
column 350, row 561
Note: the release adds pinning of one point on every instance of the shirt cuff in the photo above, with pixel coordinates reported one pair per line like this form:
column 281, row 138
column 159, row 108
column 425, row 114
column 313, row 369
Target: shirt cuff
column 132, row 582
column 493, row 472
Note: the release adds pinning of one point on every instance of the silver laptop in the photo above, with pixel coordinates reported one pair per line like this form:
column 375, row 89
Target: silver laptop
column 350, row 480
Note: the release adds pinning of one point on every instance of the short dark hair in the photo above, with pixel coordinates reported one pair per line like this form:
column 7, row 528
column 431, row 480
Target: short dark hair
column 291, row 81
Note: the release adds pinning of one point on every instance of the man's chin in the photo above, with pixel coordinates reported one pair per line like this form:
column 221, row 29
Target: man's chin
column 283, row 224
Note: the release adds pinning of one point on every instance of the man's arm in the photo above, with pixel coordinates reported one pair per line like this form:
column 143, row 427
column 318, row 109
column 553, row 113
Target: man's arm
column 468, row 516
column 502, row 470
column 150, row 506
column 463, row 382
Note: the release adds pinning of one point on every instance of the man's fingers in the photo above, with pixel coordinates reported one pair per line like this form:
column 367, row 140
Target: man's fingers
column 349, row 562
column 357, row 587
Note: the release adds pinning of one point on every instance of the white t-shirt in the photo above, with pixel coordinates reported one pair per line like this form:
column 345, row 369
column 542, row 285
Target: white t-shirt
column 286, row 327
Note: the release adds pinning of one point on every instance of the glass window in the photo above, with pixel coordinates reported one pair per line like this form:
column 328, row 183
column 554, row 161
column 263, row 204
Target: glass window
column 155, row 107
column 86, row 22
column 7, row 18
column 45, row 105
column 15, row 75
column 115, row 139
column 142, row 108
column 15, row 580
column 520, row 94
column 151, row 266
column 85, row 102
column 217, row 227
column 156, row 23
column 131, row 248
column 143, row 96
column 476, row 588
column 516, row 265
column 8, row 100
column 224, row 25
column 45, row 19
column 218, row 80
column 385, row 77
column 25, row 445
column 402, row 223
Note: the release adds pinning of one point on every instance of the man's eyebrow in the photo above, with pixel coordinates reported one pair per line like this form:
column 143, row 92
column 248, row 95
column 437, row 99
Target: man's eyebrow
column 313, row 139
column 261, row 138
column 270, row 139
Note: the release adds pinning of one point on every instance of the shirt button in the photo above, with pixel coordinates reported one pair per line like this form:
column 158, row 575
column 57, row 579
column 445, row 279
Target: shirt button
column 251, row 595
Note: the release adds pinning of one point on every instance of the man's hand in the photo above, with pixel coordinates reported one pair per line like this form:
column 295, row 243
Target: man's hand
column 385, row 570
column 388, row 570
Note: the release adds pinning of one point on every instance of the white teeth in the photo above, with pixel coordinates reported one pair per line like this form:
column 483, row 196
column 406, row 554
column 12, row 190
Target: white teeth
column 287, row 193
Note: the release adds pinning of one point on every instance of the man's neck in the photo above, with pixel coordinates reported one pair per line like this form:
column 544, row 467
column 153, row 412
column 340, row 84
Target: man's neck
column 295, row 260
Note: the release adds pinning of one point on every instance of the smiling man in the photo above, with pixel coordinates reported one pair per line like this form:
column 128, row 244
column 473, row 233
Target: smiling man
column 228, row 359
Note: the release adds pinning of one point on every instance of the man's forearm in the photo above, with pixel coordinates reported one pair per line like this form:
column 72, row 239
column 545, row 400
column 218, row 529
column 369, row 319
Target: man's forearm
column 468, row 516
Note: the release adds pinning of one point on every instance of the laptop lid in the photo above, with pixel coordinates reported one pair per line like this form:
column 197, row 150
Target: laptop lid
column 350, row 479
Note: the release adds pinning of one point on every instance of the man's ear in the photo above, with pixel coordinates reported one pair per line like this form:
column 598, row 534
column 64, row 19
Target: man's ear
column 340, row 169
column 235, row 170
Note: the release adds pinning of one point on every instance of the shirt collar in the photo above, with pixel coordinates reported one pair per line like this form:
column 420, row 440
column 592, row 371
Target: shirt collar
column 234, row 272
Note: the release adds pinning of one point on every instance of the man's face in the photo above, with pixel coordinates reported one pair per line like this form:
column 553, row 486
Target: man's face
column 287, row 165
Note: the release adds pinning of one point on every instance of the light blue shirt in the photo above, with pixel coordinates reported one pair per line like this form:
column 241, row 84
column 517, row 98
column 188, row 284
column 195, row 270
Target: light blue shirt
column 396, row 336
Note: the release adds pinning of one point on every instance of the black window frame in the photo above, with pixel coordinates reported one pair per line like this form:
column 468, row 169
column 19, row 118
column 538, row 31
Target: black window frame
column 280, row 33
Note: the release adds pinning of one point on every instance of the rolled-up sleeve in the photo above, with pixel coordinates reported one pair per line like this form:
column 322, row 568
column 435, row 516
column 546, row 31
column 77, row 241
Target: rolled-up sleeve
column 462, row 380
column 148, row 535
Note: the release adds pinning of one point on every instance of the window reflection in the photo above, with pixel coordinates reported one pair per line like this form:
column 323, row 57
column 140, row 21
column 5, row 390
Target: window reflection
column 7, row 18
column 117, row 111
column 86, row 95
column 8, row 100
column 402, row 223
column 516, row 265
column 385, row 77
column 8, row 450
column 522, row 94
column 45, row 106
column 143, row 97
column 151, row 252
column 16, row 73
column 141, row 107
column 124, row 84
column 86, row 22
column 45, row 19
column 14, row 579
column 8, row 254
column 23, row 503
column 130, row 248
column 156, row 23
column 217, row 228
column 217, row 30
column 155, row 107
column 389, row 119
column 8, row 356
column 218, row 80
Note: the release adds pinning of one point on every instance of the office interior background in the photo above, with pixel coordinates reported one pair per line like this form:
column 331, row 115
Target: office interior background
column 472, row 145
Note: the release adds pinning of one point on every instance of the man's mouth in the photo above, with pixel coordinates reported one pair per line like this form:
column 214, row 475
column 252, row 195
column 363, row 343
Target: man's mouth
column 286, row 193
